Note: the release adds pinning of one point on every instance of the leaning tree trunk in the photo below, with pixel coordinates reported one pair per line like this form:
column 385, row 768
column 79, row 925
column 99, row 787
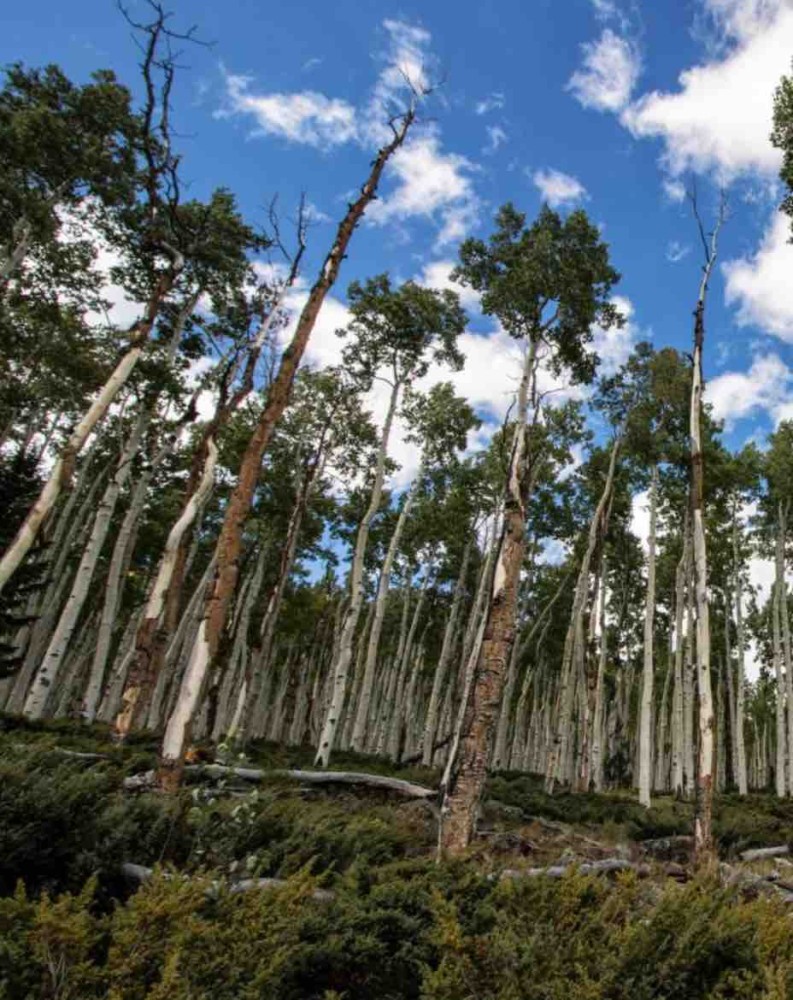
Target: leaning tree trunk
column 47, row 675
column 645, row 723
column 465, row 779
column 61, row 475
column 229, row 544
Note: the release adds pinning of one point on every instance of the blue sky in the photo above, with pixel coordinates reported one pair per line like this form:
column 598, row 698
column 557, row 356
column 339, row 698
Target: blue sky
column 608, row 104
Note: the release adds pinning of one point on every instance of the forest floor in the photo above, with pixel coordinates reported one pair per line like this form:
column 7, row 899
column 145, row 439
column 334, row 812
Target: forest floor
column 287, row 889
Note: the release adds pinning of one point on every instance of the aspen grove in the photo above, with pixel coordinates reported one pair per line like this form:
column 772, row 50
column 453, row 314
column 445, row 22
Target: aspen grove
column 210, row 538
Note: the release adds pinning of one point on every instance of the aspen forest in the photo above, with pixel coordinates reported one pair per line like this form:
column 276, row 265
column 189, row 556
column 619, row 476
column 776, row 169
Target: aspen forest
column 380, row 621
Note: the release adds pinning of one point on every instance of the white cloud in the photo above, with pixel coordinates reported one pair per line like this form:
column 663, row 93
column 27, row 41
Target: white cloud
column 492, row 103
column 767, row 386
column 761, row 285
column 674, row 190
column 719, row 118
column 497, row 136
column 610, row 69
column 676, row 251
column 614, row 346
column 640, row 517
column 431, row 184
column 558, row 188
column 437, row 274
column 309, row 118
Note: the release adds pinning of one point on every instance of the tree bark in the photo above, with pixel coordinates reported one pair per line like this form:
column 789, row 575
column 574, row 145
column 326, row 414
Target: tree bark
column 462, row 793
column 229, row 544
column 645, row 724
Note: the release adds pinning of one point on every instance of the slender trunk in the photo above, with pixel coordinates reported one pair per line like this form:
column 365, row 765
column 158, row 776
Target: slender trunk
column 574, row 640
column 776, row 612
column 597, row 723
column 703, row 822
column 51, row 663
column 449, row 638
column 788, row 653
column 740, row 745
column 144, row 671
column 342, row 665
column 364, row 700
column 645, row 724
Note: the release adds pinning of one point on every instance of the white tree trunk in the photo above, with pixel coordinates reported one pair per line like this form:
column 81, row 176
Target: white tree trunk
column 740, row 744
column 646, row 720
column 341, row 666
column 365, row 697
column 62, row 470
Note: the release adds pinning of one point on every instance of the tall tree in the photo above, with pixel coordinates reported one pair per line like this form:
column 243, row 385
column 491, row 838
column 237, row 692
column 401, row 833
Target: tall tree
column 548, row 284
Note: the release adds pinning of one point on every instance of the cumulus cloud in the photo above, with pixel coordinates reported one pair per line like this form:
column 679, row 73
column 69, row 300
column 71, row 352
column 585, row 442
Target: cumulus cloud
column 718, row 119
column 610, row 68
column 558, row 188
column 766, row 387
column 760, row 286
column 430, row 183
column 309, row 118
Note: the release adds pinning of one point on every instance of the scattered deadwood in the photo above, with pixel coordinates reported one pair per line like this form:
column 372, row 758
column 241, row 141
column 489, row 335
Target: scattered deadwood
column 604, row 867
column 138, row 874
column 62, row 751
column 761, row 884
column 758, row 853
column 404, row 788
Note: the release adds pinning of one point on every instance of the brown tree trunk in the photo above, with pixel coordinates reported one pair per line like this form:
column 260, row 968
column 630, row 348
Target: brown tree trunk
column 463, row 789
column 229, row 544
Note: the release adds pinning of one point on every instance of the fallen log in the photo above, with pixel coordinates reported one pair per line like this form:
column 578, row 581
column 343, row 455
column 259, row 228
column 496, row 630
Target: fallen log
column 407, row 789
column 138, row 874
column 604, row 867
column 758, row 853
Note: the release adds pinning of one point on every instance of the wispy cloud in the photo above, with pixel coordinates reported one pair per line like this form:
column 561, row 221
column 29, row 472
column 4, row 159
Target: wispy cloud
column 609, row 71
column 492, row 103
column 676, row 251
column 558, row 188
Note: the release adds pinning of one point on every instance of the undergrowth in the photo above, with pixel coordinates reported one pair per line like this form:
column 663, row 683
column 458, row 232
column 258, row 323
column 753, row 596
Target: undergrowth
column 390, row 922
